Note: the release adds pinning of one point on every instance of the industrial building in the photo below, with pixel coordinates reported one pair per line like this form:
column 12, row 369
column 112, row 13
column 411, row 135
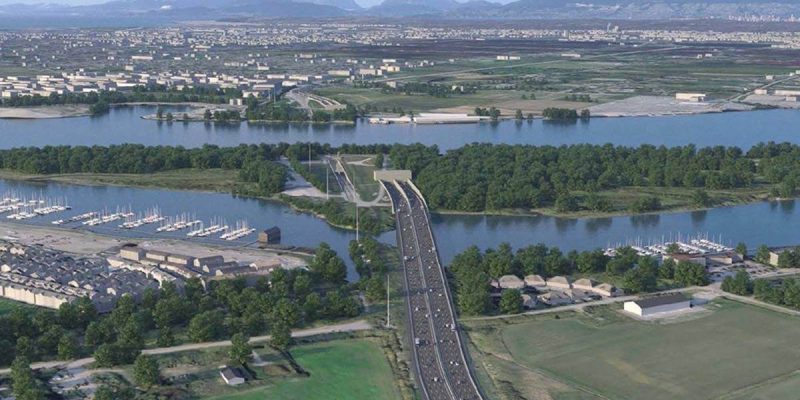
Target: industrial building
column 657, row 305
column 49, row 278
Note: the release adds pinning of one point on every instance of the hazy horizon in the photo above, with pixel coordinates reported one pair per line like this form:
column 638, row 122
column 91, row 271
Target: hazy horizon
column 362, row 3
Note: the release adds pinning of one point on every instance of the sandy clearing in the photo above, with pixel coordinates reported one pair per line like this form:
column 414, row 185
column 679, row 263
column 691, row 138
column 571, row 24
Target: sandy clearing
column 44, row 112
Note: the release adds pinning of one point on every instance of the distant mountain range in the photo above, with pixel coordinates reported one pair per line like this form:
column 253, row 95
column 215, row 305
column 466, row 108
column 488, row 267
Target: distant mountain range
column 174, row 10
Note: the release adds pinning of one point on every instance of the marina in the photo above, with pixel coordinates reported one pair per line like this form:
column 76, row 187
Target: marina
column 699, row 244
column 771, row 223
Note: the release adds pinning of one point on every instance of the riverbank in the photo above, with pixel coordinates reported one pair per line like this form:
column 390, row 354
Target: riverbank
column 86, row 243
column 673, row 200
column 220, row 181
column 45, row 112
column 83, row 110
column 206, row 180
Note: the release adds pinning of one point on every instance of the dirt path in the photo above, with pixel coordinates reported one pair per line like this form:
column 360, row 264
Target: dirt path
column 354, row 326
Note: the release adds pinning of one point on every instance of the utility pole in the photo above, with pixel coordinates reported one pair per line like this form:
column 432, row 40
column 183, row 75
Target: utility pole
column 327, row 195
column 388, row 324
column 357, row 241
column 309, row 157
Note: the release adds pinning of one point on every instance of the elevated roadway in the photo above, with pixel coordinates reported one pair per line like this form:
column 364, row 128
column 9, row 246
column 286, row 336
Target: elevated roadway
column 440, row 363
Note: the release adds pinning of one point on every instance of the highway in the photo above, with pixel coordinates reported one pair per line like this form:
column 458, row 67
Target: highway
column 440, row 365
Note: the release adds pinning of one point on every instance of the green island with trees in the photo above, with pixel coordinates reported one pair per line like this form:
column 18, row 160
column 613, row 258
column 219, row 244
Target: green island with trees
column 576, row 180
column 597, row 179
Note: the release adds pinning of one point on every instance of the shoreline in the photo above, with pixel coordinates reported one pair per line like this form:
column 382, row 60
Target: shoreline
column 494, row 213
column 87, row 242
column 82, row 110
column 45, row 112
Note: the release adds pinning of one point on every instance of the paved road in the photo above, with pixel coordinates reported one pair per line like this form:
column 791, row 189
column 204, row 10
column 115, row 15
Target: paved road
column 442, row 371
column 359, row 325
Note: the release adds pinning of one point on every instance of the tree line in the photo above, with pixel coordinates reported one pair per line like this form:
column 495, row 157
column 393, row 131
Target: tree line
column 473, row 270
column 476, row 177
column 782, row 292
column 480, row 177
column 155, row 93
column 286, row 299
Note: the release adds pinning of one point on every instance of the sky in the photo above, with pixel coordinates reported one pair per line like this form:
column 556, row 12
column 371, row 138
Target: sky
column 72, row 2
column 362, row 3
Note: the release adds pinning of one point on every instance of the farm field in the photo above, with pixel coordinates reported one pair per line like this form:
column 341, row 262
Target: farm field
column 506, row 100
column 345, row 369
column 611, row 356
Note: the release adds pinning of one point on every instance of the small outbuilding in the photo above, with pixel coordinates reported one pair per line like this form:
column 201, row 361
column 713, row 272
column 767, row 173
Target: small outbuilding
column 559, row 282
column 232, row 376
column 510, row 282
column 535, row 281
column 554, row 298
column 271, row 235
column 528, row 301
column 584, row 284
column 656, row 305
column 606, row 289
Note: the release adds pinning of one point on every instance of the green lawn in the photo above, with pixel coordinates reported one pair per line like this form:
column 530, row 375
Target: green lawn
column 322, row 171
column 361, row 175
column 734, row 349
column 346, row 369
column 216, row 180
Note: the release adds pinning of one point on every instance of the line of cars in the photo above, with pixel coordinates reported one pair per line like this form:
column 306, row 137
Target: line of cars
column 440, row 362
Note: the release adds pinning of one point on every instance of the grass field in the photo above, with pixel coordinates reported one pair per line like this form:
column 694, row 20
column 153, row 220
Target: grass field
column 345, row 369
column 734, row 350
column 215, row 180
column 322, row 171
column 360, row 169
column 506, row 100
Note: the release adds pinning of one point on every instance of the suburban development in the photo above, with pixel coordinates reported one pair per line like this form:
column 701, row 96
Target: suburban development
column 399, row 200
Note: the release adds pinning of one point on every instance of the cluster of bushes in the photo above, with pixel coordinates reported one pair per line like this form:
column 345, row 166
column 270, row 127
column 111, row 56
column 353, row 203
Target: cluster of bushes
column 349, row 114
column 221, row 115
column 559, row 114
column 341, row 213
column 473, row 270
column 283, row 111
column 491, row 112
column 369, row 258
column 585, row 98
column 435, row 90
column 269, row 178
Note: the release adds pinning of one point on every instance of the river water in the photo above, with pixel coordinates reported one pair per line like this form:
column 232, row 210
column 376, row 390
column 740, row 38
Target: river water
column 124, row 125
column 772, row 223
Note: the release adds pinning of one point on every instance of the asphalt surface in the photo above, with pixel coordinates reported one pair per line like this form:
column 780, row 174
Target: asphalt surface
column 438, row 353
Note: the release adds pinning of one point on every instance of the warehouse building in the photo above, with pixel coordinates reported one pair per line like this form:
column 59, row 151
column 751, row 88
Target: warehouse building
column 657, row 305
column 271, row 235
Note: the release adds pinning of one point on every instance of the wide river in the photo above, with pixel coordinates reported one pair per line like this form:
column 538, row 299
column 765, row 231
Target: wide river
column 774, row 223
column 124, row 125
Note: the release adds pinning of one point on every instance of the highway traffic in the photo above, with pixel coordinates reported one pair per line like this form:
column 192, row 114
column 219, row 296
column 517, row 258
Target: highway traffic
column 439, row 359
